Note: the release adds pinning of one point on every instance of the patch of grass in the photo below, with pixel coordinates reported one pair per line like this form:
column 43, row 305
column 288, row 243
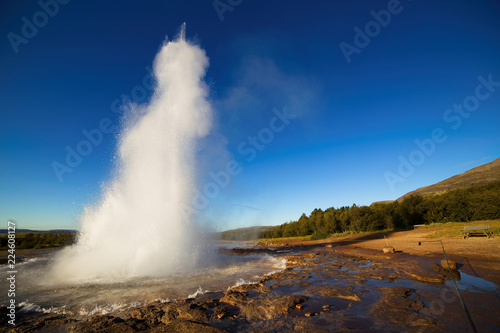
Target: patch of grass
column 281, row 239
column 452, row 229
column 346, row 233
column 319, row 236
column 448, row 233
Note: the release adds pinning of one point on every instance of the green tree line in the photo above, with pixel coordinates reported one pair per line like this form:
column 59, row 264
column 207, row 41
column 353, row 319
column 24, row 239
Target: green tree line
column 39, row 240
column 460, row 205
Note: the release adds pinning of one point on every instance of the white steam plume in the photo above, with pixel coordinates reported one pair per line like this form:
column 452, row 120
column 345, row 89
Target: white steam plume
column 141, row 226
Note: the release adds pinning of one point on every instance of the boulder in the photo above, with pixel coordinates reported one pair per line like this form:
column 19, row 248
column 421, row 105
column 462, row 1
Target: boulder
column 453, row 264
column 389, row 249
column 235, row 298
column 270, row 307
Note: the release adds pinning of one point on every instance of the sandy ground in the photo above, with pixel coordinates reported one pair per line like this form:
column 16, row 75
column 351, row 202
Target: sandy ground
column 474, row 254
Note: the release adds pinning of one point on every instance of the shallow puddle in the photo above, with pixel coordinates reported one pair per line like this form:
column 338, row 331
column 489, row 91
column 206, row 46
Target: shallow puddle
column 367, row 264
column 476, row 284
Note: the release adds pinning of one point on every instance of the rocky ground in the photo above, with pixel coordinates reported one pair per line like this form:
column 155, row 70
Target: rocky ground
column 335, row 285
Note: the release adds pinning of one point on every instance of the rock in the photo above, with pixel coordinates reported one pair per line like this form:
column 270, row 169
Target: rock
column 137, row 314
column 188, row 326
column 362, row 281
column 245, row 288
column 389, row 249
column 220, row 312
column 299, row 306
column 453, row 264
column 180, row 311
column 329, row 245
column 346, row 292
column 169, row 316
column 47, row 324
column 270, row 307
column 151, row 314
column 194, row 315
column 107, row 323
column 354, row 298
column 265, row 279
column 456, row 275
column 235, row 298
column 326, row 307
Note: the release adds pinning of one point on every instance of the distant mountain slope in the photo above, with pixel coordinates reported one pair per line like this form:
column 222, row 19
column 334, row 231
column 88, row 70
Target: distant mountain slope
column 484, row 174
column 244, row 234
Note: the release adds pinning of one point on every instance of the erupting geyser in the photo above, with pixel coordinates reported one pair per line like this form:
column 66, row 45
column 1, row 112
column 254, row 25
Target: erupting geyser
column 141, row 226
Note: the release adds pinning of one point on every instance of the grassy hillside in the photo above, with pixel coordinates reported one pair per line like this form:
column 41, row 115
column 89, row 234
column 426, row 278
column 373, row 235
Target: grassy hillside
column 243, row 234
column 484, row 174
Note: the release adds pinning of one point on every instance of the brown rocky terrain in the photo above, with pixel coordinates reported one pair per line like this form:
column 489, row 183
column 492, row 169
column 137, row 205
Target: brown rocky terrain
column 341, row 284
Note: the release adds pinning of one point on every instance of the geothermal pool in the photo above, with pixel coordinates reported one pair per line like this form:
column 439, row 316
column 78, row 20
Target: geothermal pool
column 142, row 240
column 37, row 292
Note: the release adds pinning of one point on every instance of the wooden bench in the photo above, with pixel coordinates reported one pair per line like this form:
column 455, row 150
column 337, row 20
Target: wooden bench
column 480, row 230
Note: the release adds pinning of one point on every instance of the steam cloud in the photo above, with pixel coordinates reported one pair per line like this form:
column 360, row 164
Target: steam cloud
column 141, row 226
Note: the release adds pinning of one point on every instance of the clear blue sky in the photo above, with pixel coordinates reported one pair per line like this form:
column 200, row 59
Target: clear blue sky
column 355, row 116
